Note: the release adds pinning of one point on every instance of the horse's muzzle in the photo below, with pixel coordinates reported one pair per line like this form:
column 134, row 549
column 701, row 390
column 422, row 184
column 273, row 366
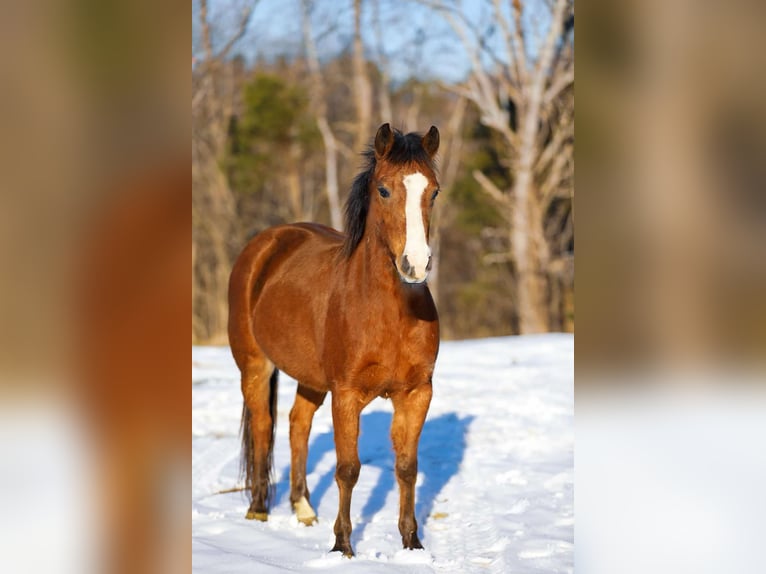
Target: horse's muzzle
column 410, row 273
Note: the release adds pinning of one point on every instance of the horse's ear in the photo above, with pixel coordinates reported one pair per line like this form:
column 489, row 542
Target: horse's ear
column 431, row 141
column 384, row 140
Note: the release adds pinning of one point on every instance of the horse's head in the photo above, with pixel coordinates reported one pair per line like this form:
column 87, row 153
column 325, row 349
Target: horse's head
column 403, row 188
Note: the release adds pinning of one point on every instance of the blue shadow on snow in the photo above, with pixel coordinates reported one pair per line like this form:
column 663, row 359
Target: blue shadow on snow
column 440, row 453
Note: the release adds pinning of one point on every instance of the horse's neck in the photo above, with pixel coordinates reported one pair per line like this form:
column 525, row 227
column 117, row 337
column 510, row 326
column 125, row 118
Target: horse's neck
column 371, row 265
column 374, row 273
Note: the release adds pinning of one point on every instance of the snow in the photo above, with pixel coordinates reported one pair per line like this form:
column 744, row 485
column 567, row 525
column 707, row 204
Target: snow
column 495, row 482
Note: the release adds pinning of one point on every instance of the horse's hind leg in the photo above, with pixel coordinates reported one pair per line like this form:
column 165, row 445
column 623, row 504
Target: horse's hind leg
column 259, row 391
column 410, row 411
column 307, row 401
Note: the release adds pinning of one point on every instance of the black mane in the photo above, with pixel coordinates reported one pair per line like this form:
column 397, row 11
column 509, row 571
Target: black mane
column 406, row 149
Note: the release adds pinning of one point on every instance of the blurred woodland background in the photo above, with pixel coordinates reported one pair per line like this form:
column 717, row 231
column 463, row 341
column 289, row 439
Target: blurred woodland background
column 285, row 96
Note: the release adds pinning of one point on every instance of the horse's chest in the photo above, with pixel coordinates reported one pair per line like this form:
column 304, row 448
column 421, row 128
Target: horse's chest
column 384, row 345
column 383, row 366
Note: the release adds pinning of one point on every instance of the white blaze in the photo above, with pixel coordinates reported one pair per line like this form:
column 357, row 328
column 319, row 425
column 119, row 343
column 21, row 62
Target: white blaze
column 416, row 247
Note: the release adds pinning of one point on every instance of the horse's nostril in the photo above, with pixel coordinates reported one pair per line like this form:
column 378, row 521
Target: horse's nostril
column 430, row 263
column 406, row 267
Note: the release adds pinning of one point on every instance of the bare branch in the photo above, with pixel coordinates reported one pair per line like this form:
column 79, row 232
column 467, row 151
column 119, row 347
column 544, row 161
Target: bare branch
column 493, row 191
column 520, row 42
column 562, row 132
column 207, row 42
column 530, row 121
column 494, row 258
column 513, row 74
column 244, row 21
column 459, row 90
column 558, row 85
column 554, row 32
column 553, row 179
column 347, row 152
column 230, row 490
column 453, row 149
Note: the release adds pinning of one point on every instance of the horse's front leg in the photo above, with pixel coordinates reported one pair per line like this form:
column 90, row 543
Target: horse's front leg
column 346, row 407
column 410, row 409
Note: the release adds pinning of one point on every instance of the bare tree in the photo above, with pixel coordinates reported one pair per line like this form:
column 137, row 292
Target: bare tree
column 319, row 105
column 386, row 113
column 449, row 159
column 526, row 95
column 362, row 87
column 215, row 231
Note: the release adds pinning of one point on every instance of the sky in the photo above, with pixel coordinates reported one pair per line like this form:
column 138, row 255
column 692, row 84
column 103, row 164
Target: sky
column 417, row 41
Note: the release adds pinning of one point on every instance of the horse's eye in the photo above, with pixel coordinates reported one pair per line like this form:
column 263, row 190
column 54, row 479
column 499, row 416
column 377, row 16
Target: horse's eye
column 435, row 194
column 383, row 191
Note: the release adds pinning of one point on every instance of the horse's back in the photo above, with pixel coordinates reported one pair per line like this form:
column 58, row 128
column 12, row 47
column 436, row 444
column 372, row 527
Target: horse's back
column 279, row 244
column 318, row 231
column 278, row 296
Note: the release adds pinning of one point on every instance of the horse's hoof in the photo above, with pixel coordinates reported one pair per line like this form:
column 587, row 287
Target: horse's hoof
column 252, row 515
column 344, row 548
column 304, row 513
column 413, row 543
column 308, row 521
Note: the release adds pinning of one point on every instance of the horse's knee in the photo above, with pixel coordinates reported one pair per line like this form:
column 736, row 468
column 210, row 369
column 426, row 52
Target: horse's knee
column 348, row 472
column 300, row 421
column 262, row 425
column 407, row 469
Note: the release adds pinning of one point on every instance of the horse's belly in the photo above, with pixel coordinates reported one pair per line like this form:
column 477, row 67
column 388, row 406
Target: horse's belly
column 285, row 323
column 285, row 333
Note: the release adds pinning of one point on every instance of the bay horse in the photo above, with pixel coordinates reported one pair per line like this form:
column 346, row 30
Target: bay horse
column 346, row 314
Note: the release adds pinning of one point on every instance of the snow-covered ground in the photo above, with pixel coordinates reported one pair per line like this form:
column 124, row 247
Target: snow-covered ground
column 495, row 475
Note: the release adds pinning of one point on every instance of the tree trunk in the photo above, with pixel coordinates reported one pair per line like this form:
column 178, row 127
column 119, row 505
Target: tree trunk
column 320, row 109
column 450, row 161
column 528, row 256
column 386, row 114
column 221, row 232
column 294, row 188
column 331, row 171
column 528, row 246
column 362, row 88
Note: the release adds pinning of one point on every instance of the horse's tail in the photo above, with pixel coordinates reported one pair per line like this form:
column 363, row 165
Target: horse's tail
column 247, row 467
